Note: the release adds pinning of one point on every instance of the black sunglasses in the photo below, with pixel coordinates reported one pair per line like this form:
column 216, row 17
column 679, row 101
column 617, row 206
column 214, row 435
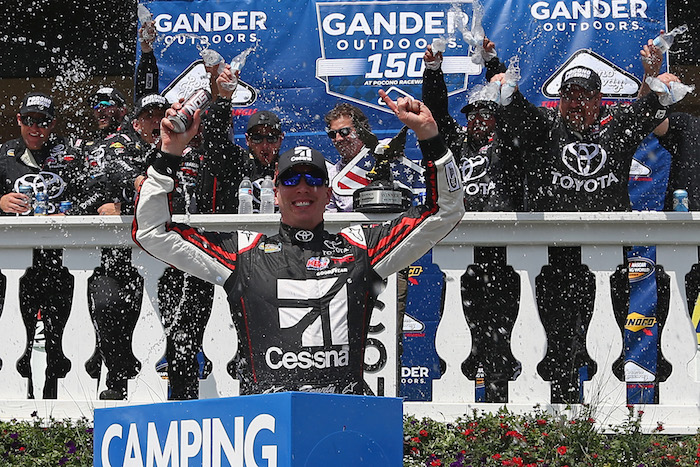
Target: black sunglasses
column 257, row 139
column 344, row 132
column 293, row 179
column 40, row 122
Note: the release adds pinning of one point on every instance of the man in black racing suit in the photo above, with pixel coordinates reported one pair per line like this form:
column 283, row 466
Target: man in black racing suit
column 39, row 159
column 304, row 296
column 576, row 157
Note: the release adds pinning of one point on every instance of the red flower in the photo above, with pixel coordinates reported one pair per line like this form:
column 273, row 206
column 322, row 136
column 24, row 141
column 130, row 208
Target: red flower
column 436, row 462
column 496, row 456
column 659, row 426
column 561, row 450
column 415, row 450
column 541, row 422
column 22, row 448
column 591, row 420
column 518, row 461
column 468, row 432
column 423, row 433
column 415, row 439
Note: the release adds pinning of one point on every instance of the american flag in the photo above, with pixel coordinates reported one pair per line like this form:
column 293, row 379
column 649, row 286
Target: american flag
column 405, row 172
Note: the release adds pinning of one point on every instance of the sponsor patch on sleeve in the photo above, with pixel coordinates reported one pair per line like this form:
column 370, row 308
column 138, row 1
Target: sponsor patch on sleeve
column 452, row 174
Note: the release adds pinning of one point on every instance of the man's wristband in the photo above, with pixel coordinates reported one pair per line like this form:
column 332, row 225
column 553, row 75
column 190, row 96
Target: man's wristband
column 433, row 148
column 166, row 163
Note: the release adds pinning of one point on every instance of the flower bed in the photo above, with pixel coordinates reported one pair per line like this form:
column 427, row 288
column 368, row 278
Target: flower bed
column 541, row 439
column 38, row 443
column 537, row 439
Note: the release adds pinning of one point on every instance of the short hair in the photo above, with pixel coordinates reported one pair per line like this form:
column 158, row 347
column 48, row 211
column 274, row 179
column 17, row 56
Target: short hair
column 343, row 109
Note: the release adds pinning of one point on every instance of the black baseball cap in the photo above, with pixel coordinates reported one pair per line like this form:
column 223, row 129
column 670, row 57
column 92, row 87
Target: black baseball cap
column 264, row 117
column 150, row 101
column 302, row 155
column 582, row 76
column 476, row 105
column 37, row 102
column 108, row 94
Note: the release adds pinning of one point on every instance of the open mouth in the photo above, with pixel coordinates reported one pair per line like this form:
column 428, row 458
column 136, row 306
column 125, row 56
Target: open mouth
column 302, row 204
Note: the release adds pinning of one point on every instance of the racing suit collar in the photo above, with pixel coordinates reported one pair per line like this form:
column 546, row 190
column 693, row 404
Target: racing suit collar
column 302, row 237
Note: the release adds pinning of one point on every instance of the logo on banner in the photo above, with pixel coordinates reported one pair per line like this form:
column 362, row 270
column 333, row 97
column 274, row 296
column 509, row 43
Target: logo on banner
column 639, row 269
column 616, row 82
column 367, row 46
column 195, row 78
column 636, row 322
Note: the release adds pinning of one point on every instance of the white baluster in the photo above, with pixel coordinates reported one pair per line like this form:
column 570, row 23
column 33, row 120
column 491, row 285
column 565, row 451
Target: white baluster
column 79, row 336
column 678, row 339
column 529, row 340
column 149, row 336
column 220, row 344
column 453, row 340
column 13, row 264
column 604, row 337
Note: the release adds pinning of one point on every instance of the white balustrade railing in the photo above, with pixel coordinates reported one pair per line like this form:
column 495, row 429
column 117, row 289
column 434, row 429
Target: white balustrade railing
column 527, row 237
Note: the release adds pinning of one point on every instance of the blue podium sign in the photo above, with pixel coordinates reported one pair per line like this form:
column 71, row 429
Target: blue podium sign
column 269, row 430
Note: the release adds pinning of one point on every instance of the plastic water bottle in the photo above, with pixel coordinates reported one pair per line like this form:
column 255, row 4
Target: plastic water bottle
column 664, row 41
column 237, row 64
column 239, row 60
column 245, row 196
column 144, row 16
column 438, row 45
column 267, row 196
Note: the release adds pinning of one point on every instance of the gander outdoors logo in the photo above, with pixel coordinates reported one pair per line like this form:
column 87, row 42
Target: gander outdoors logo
column 367, row 46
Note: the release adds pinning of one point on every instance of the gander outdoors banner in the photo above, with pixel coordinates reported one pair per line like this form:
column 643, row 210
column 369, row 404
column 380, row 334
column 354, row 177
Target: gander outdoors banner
column 311, row 55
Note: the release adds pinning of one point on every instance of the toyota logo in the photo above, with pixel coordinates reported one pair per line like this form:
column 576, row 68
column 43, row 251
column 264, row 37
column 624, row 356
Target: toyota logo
column 304, row 236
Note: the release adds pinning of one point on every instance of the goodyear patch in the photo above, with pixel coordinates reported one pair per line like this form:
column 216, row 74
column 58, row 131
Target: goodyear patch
column 117, row 145
column 317, row 264
column 636, row 322
column 640, row 268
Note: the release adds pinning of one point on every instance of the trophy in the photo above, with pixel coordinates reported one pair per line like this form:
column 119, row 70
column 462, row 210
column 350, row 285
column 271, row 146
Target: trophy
column 382, row 195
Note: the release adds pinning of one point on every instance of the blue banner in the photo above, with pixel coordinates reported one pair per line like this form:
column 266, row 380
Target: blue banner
column 311, row 54
column 647, row 187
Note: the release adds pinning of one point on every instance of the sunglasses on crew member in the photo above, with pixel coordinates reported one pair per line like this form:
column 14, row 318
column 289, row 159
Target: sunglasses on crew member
column 344, row 132
column 257, row 139
column 293, row 179
column 40, row 122
column 103, row 104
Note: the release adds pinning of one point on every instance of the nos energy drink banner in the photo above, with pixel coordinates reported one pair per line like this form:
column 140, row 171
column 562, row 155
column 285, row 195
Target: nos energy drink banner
column 312, row 54
column 647, row 188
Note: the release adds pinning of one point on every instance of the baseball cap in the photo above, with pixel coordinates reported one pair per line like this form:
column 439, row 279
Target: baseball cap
column 580, row 76
column 36, row 102
column 107, row 94
column 482, row 96
column 264, row 117
column 150, row 101
column 302, row 155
